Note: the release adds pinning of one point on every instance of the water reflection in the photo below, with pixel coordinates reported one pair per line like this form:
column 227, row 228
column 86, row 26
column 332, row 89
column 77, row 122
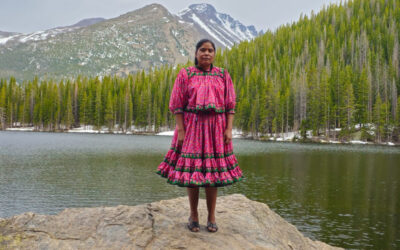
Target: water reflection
column 348, row 200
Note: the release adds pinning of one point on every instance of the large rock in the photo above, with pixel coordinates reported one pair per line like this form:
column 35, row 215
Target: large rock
column 243, row 224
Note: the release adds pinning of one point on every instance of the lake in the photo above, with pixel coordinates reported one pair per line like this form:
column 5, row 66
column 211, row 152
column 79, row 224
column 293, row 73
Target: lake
column 344, row 195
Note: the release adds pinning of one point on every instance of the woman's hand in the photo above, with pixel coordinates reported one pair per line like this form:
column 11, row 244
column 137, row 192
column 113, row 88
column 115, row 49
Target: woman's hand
column 181, row 128
column 228, row 135
column 228, row 128
column 181, row 136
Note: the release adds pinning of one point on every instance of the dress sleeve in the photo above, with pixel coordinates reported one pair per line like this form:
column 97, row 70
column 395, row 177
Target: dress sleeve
column 179, row 98
column 230, row 96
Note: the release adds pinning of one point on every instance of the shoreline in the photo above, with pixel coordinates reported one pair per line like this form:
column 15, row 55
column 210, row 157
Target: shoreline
column 236, row 134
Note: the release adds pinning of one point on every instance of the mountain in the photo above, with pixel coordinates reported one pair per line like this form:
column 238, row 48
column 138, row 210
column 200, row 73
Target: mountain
column 150, row 36
column 221, row 27
column 147, row 37
column 88, row 22
column 15, row 37
column 4, row 34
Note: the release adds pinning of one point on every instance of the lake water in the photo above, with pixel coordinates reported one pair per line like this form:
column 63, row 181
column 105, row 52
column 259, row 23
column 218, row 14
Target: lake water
column 344, row 195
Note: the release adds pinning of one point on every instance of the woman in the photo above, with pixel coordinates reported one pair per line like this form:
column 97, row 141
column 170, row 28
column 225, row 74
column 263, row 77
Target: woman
column 201, row 153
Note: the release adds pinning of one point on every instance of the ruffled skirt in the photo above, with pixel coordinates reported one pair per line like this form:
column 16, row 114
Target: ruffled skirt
column 203, row 159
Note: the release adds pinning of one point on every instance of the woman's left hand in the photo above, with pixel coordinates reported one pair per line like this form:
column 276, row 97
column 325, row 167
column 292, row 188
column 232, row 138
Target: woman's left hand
column 228, row 135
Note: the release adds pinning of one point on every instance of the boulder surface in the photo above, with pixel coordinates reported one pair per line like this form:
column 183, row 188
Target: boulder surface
column 243, row 224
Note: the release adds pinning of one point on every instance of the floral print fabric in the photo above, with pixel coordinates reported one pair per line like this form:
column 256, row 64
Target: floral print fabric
column 195, row 90
column 203, row 159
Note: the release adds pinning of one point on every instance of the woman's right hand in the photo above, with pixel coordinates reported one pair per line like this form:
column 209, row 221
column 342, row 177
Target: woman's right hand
column 181, row 136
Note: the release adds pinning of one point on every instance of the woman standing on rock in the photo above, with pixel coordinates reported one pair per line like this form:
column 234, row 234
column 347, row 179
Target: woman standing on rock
column 201, row 153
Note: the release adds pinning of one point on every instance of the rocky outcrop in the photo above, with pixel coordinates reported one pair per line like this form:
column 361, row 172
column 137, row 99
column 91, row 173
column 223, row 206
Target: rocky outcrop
column 243, row 224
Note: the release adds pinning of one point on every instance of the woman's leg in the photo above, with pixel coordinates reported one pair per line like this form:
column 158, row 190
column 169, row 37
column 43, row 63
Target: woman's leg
column 194, row 201
column 211, row 196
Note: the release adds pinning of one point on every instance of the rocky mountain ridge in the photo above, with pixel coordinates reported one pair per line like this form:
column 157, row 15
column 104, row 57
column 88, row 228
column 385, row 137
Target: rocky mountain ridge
column 221, row 27
column 148, row 37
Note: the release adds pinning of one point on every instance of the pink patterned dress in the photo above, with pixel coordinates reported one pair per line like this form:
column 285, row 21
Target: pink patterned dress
column 203, row 159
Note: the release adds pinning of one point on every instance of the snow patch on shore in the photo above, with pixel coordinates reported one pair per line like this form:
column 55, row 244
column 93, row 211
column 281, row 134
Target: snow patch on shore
column 280, row 137
column 235, row 133
column 358, row 142
column 20, row 129
column 166, row 133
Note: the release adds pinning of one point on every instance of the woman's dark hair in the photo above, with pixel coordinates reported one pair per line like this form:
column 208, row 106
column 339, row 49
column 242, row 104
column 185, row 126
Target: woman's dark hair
column 199, row 44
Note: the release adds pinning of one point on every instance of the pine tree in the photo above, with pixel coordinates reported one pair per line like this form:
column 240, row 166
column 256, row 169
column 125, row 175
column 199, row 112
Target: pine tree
column 314, row 112
column 3, row 105
column 378, row 118
column 83, row 110
column 109, row 112
column 69, row 116
column 97, row 115
column 361, row 107
column 398, row 113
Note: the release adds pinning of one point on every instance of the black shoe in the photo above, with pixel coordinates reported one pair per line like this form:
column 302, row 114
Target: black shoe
column 192, row 225
column 212, row 225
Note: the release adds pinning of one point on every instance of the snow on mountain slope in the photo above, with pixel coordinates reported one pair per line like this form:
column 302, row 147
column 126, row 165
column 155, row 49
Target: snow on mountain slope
column 43, row 35
column 140, row 39
column 221, row 27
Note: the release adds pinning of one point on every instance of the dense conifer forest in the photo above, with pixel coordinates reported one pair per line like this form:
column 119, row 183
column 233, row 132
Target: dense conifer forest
column 339, row 68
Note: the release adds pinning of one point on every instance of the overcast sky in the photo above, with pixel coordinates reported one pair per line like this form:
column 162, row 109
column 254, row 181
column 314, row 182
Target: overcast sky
column 33, row 15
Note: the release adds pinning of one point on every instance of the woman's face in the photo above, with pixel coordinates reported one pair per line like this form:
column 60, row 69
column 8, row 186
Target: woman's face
column 205, row 54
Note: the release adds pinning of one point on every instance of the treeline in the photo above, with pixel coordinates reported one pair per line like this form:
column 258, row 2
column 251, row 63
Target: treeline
column 139, row 100
column 335, row 69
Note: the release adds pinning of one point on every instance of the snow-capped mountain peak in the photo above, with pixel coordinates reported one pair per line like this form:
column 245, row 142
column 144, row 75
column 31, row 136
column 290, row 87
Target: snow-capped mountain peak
column 203, row 8
column 147, row 37
column 220, row 27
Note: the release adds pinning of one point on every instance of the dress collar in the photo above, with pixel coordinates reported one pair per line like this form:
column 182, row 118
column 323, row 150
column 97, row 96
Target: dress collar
column 211, row 67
